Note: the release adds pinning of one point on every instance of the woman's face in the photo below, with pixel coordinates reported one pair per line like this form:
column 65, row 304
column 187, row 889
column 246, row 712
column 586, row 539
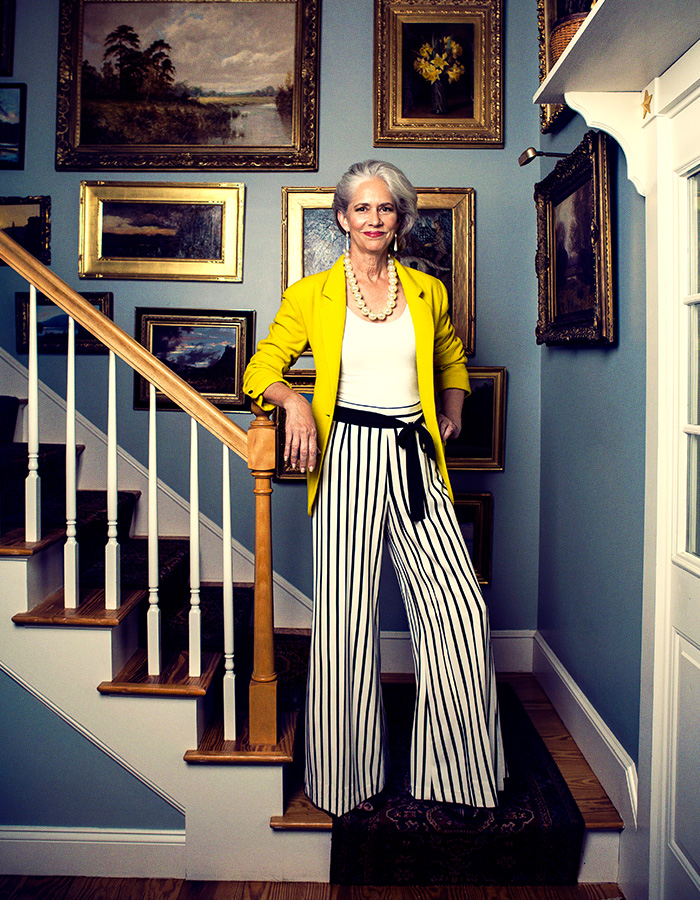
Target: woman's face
column 371, row 218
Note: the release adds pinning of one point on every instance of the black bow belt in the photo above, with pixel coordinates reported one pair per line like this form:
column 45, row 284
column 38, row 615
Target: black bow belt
column 416, row 488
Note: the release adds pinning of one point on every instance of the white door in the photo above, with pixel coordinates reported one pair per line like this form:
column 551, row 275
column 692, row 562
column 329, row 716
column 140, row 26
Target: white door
column 680, row 794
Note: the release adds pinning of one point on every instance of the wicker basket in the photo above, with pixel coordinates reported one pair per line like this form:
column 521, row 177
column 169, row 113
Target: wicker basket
column 562, row 33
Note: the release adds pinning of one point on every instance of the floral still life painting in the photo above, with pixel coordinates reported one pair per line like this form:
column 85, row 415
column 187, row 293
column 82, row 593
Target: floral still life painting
column 438, row 62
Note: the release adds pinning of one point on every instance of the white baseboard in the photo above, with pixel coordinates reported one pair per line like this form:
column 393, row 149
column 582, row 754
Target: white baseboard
column 512, row 651
column 96, row 852
column 611, row 763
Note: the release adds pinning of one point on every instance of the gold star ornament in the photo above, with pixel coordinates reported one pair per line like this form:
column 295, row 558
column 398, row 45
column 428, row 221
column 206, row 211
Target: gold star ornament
column 646, row 104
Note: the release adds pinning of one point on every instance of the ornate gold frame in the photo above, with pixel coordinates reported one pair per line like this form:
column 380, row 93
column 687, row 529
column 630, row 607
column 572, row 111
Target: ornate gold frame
column 393, row 124
column 582, row 180
column 301, row 153
column 460, row 202
column 481, row 444
column 226, row 265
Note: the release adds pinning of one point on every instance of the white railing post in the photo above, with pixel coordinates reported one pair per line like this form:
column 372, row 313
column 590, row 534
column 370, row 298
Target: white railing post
column 153, row 617
column 195, row 622
column 112, row 549
column 229, row 670
column 70, row 548
column 32, row 487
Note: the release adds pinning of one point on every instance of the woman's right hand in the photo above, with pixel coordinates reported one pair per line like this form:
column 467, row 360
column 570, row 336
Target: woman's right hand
column 300, row 447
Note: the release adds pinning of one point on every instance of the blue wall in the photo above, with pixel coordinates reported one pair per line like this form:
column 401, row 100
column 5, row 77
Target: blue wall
column 506, row 298
column 66, row 781
column 592, row 483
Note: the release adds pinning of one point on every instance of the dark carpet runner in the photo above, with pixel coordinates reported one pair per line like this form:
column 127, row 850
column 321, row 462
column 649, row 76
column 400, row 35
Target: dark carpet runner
column 533, row 838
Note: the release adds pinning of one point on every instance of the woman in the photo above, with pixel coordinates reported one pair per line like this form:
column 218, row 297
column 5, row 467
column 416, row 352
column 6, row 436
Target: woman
column 372, row 442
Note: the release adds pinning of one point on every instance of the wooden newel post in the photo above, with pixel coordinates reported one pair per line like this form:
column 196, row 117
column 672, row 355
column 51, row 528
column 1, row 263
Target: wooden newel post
column 263, row 682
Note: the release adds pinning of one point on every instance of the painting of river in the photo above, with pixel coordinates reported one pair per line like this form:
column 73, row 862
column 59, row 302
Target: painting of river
column 176, row 72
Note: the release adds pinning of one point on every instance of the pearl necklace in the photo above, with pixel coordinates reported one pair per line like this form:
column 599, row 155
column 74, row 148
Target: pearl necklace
column 355, row 289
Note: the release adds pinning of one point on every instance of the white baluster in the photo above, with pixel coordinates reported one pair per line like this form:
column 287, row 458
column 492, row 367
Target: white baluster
column 112, row 549
column 229, row 672
column 195, row 621
column 153, row 617
column 32, row 488
column 70, row 548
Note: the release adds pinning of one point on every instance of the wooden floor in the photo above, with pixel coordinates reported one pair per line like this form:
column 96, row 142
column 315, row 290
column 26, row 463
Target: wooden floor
column 19, row 888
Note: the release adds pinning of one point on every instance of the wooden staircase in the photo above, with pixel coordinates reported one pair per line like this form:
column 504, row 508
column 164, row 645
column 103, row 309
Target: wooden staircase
column 192, row 730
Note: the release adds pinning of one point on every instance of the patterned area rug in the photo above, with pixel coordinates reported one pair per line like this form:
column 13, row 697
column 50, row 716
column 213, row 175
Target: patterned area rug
column 533, row 838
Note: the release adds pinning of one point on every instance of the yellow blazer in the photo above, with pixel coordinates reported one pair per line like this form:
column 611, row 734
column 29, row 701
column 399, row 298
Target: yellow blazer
column 312, row 314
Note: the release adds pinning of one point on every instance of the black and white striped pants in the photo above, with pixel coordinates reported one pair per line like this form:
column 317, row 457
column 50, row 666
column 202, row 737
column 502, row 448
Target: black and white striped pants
column 457, row 751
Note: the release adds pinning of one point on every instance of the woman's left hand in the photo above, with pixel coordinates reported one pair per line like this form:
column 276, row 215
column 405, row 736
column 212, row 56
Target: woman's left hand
column 448, row 428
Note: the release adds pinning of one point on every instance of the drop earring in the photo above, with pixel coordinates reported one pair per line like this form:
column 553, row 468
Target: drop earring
column 347, row 242
column 396, row 245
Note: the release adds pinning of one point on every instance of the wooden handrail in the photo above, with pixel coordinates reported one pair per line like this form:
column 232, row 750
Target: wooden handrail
column 124, row 346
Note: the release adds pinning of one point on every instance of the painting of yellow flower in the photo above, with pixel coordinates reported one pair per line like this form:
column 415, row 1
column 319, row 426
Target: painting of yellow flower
column 441, row 59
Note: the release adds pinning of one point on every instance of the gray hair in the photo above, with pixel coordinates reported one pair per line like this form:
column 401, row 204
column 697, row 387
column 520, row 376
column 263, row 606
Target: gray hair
column 400, row 188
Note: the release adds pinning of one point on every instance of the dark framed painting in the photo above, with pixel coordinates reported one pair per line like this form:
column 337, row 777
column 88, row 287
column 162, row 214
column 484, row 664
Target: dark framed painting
column 438, row 73
column 7, row 36
column 27, row 220
column 574, row 249
column 188, row 84
column 155, row 230
column 442, row 243
column 13, row 106
column 475, row 517
column 481, row 443
column 209, row 349
column 52, row 324
column 302, row 381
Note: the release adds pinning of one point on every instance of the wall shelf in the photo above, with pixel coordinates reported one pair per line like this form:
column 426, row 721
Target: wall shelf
column 622, row 46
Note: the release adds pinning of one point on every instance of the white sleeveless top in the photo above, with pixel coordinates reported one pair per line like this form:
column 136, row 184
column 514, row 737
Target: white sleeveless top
column 378, row 363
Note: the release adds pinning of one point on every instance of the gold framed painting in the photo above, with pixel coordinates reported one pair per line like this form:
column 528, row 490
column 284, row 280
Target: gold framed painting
column 27, row 220
column 52, row 324
column 574, row 248
column 441, row 243
column 156, row 230
column 481, row 443
column 475, row 518
column 438, row 73
column 209, row 349
column 188, row 84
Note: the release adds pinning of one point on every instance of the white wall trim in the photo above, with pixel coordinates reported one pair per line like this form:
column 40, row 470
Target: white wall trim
column 96, row 852
column 512, row 651
column 611, row 763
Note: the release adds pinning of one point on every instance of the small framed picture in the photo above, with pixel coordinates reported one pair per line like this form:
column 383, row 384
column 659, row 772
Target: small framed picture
column 475, row 517
column 13, row 105
column 209, row 349
column 481, row 443
column 27, row 221
column 161, row 231
column 441, row 244
column 52, row 324
column 302, row 381
column 438, row 73
column 574, row 249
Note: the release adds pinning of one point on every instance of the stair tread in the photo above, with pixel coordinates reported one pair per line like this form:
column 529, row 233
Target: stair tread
column 90, row 612
column 12, row 543
column 213, row 749
column 173, row 681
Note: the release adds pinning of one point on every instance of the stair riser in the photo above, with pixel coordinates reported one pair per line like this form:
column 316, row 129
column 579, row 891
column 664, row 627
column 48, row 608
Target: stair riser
column 27, row 580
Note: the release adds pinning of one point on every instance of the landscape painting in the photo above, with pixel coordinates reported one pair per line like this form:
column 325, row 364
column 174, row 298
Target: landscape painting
column 27, row 221
column 207, row 349
column 13, row 99
column 212, row 76
column 162, row 230
column 52, row 324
